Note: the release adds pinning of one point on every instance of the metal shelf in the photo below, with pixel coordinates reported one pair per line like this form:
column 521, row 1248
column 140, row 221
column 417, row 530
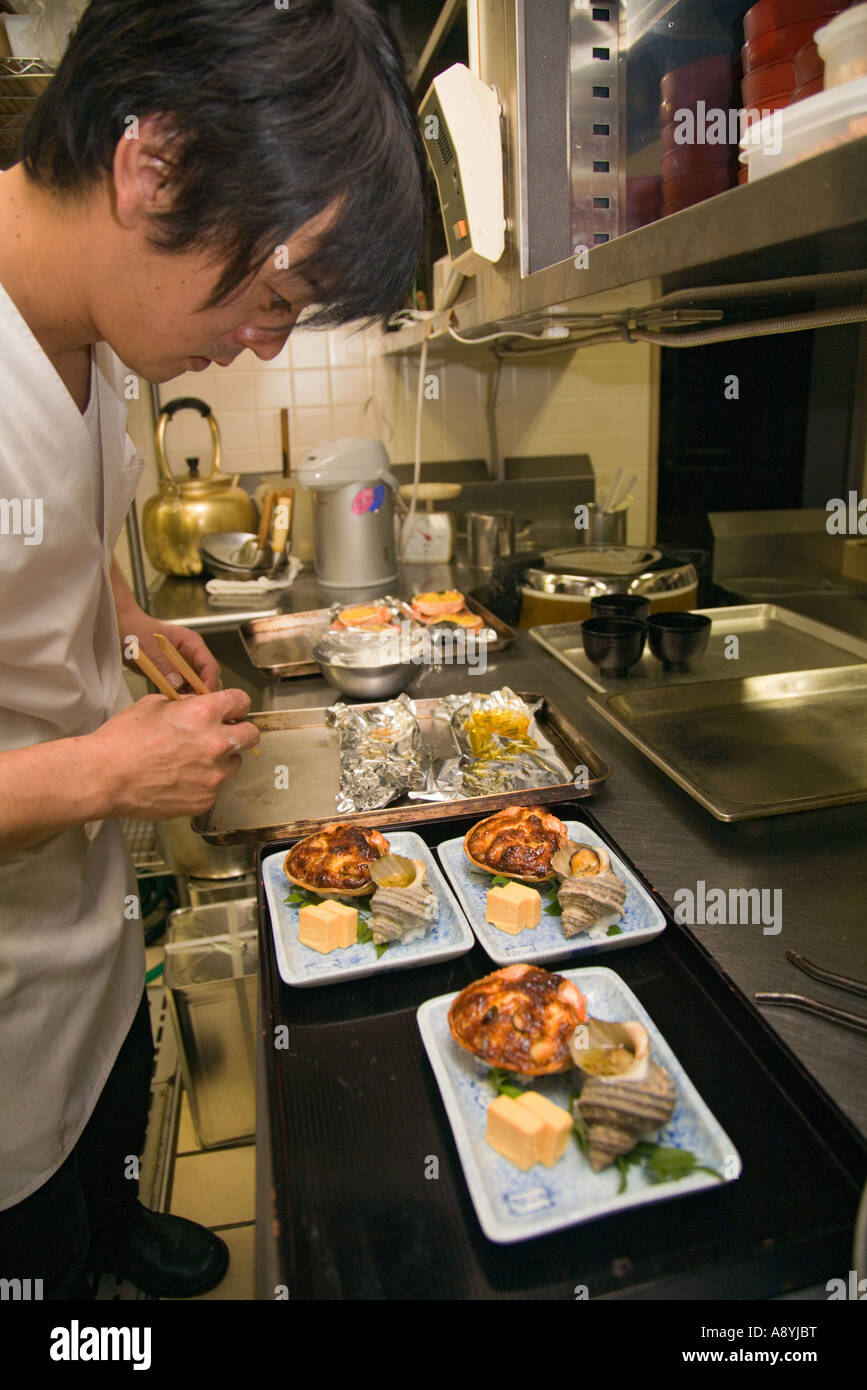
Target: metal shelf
column 807, row 219
column 22, row 81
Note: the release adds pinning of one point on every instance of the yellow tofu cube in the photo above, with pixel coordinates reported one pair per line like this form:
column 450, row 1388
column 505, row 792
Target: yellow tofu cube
column 557, row 1122
column 515, row 1132
column 514, row 908
column 327, row 927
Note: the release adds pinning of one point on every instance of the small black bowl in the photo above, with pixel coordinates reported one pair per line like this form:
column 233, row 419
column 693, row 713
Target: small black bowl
column 676, row 639
column 613, row 644
column 620, row 606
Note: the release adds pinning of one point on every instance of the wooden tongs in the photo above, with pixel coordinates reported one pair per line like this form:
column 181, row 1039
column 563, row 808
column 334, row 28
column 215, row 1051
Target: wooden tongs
column 164, row 686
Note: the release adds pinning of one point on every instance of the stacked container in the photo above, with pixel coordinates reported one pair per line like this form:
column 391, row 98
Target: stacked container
column 696, row 168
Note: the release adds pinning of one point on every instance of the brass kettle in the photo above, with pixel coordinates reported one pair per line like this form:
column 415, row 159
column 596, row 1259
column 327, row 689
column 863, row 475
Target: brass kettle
column 185, row 510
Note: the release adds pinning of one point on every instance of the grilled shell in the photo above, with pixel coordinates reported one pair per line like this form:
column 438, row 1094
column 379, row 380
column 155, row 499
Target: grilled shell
column 518, row 842
column 336, row 860
column 520, row 1018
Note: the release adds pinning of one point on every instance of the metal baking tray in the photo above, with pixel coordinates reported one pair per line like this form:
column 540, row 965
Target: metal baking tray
column 771, row 641
column 283, row 646
column 249, row 807
column 762, row 746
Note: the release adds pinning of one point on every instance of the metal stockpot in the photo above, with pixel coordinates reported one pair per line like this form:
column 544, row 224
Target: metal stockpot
column 185, row 510
column 187, row 853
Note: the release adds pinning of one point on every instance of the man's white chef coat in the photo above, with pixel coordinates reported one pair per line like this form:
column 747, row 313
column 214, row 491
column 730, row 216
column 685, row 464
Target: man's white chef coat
column 71, row 962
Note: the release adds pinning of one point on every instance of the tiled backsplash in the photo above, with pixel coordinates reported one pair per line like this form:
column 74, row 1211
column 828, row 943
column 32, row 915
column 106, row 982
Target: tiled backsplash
column 599, row 400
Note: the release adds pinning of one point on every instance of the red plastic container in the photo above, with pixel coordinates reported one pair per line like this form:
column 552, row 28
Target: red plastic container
column 691, row 159
column 702, row 183
column 743, row 174
column 808, row 64
column 678, row 204
column 774, row 14
column 709, row 79
column 755, row 113
column 809, row 89
column 777, row 44
column 766, row 82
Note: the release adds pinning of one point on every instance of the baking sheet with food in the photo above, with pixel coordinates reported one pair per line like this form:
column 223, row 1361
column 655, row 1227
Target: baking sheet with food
column 445, row 936
column 282, row 646
column 688, row 1153
column 293, row 787
column 770, row 641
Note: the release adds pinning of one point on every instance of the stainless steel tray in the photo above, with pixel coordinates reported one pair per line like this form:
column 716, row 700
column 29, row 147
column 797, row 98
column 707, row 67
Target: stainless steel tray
column 250, row 807
column 771, row 641
column 761, row 746
column 283, row 646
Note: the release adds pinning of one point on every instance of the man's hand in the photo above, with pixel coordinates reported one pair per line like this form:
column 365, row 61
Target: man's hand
column 161, row 758
column 133, row 622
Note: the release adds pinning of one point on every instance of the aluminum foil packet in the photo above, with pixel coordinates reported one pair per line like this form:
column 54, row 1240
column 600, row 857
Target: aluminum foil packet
column 502, row 747
column 381, row 753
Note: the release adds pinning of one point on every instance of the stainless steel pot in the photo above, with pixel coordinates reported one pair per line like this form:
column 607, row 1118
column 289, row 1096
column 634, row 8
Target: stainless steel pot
column 187, row 853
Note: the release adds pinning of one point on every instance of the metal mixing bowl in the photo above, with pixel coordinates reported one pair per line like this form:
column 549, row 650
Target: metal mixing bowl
column 368, row 682
column 217, row 552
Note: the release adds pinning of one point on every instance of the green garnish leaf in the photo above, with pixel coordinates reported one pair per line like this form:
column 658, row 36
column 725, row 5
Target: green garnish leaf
column 295, row 898
column 623, row 1169
column 381, row 949
column 579, row 1129
column 499, row 1079
column 667, row 1164
column 614, row 930
column 498, row 881
column 363, row 934
column 554, row 909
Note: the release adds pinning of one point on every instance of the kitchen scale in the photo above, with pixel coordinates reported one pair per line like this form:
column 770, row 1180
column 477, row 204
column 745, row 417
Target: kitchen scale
column 431, row 537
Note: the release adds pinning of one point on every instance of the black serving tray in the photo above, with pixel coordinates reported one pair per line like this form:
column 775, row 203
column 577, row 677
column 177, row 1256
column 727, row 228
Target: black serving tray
column 354, row 1117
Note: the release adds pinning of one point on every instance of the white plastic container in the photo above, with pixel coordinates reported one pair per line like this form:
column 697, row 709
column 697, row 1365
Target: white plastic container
column 811, row 126
column 842, row 45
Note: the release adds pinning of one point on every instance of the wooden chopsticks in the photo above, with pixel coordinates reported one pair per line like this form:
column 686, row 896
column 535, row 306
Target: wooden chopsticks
column 165, row 687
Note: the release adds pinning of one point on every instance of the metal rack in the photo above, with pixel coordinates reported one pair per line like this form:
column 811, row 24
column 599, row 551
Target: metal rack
column 22, row 81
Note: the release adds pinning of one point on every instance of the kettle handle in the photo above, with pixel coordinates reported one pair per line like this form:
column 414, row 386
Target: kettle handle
column 166, row 414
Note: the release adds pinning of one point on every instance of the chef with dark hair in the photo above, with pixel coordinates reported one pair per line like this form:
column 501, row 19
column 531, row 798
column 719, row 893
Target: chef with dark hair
column 177, row 148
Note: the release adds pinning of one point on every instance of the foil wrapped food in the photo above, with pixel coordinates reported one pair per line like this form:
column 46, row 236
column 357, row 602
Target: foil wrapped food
column 382, row 755
column 501, row 747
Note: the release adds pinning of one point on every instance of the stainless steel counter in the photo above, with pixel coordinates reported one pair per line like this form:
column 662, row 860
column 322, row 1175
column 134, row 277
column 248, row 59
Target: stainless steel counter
column 816, row 860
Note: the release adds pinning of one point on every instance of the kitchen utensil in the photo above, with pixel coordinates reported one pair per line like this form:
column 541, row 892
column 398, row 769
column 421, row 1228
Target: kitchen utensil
column 282, row 646
column 858, row 1022
column 216, row 551
column 557, row 585
column 759, row 746
column 176, row 519
column 755, row 639
column 188, row 855
column 620, row 606
column 250, row 807
column 171, row 653
column 431, row 538
column 353, row 512
column 676, row 639
column 490, row 535
column 366, row 683
column 613, row 644
column 284, row 515
column 253, row 553
column 828, row 977
column 603, row 527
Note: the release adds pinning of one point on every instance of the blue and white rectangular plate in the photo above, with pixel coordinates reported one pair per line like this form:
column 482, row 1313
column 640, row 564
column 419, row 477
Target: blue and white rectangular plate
column 512, row 1205
column 641, row 918
column 300, row 965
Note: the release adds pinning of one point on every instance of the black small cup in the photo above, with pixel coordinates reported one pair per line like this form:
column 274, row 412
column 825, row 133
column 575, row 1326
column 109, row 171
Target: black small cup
column 676, row 639
column 613, row 644
column 620, row 606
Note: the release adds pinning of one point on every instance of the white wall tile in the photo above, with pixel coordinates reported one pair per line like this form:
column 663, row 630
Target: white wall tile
column 273, row 389
column 308, row 348
column 310, row 388
column 349, row 385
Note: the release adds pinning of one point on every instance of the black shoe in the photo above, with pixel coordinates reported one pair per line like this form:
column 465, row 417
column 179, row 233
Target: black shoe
column 166, row 1256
